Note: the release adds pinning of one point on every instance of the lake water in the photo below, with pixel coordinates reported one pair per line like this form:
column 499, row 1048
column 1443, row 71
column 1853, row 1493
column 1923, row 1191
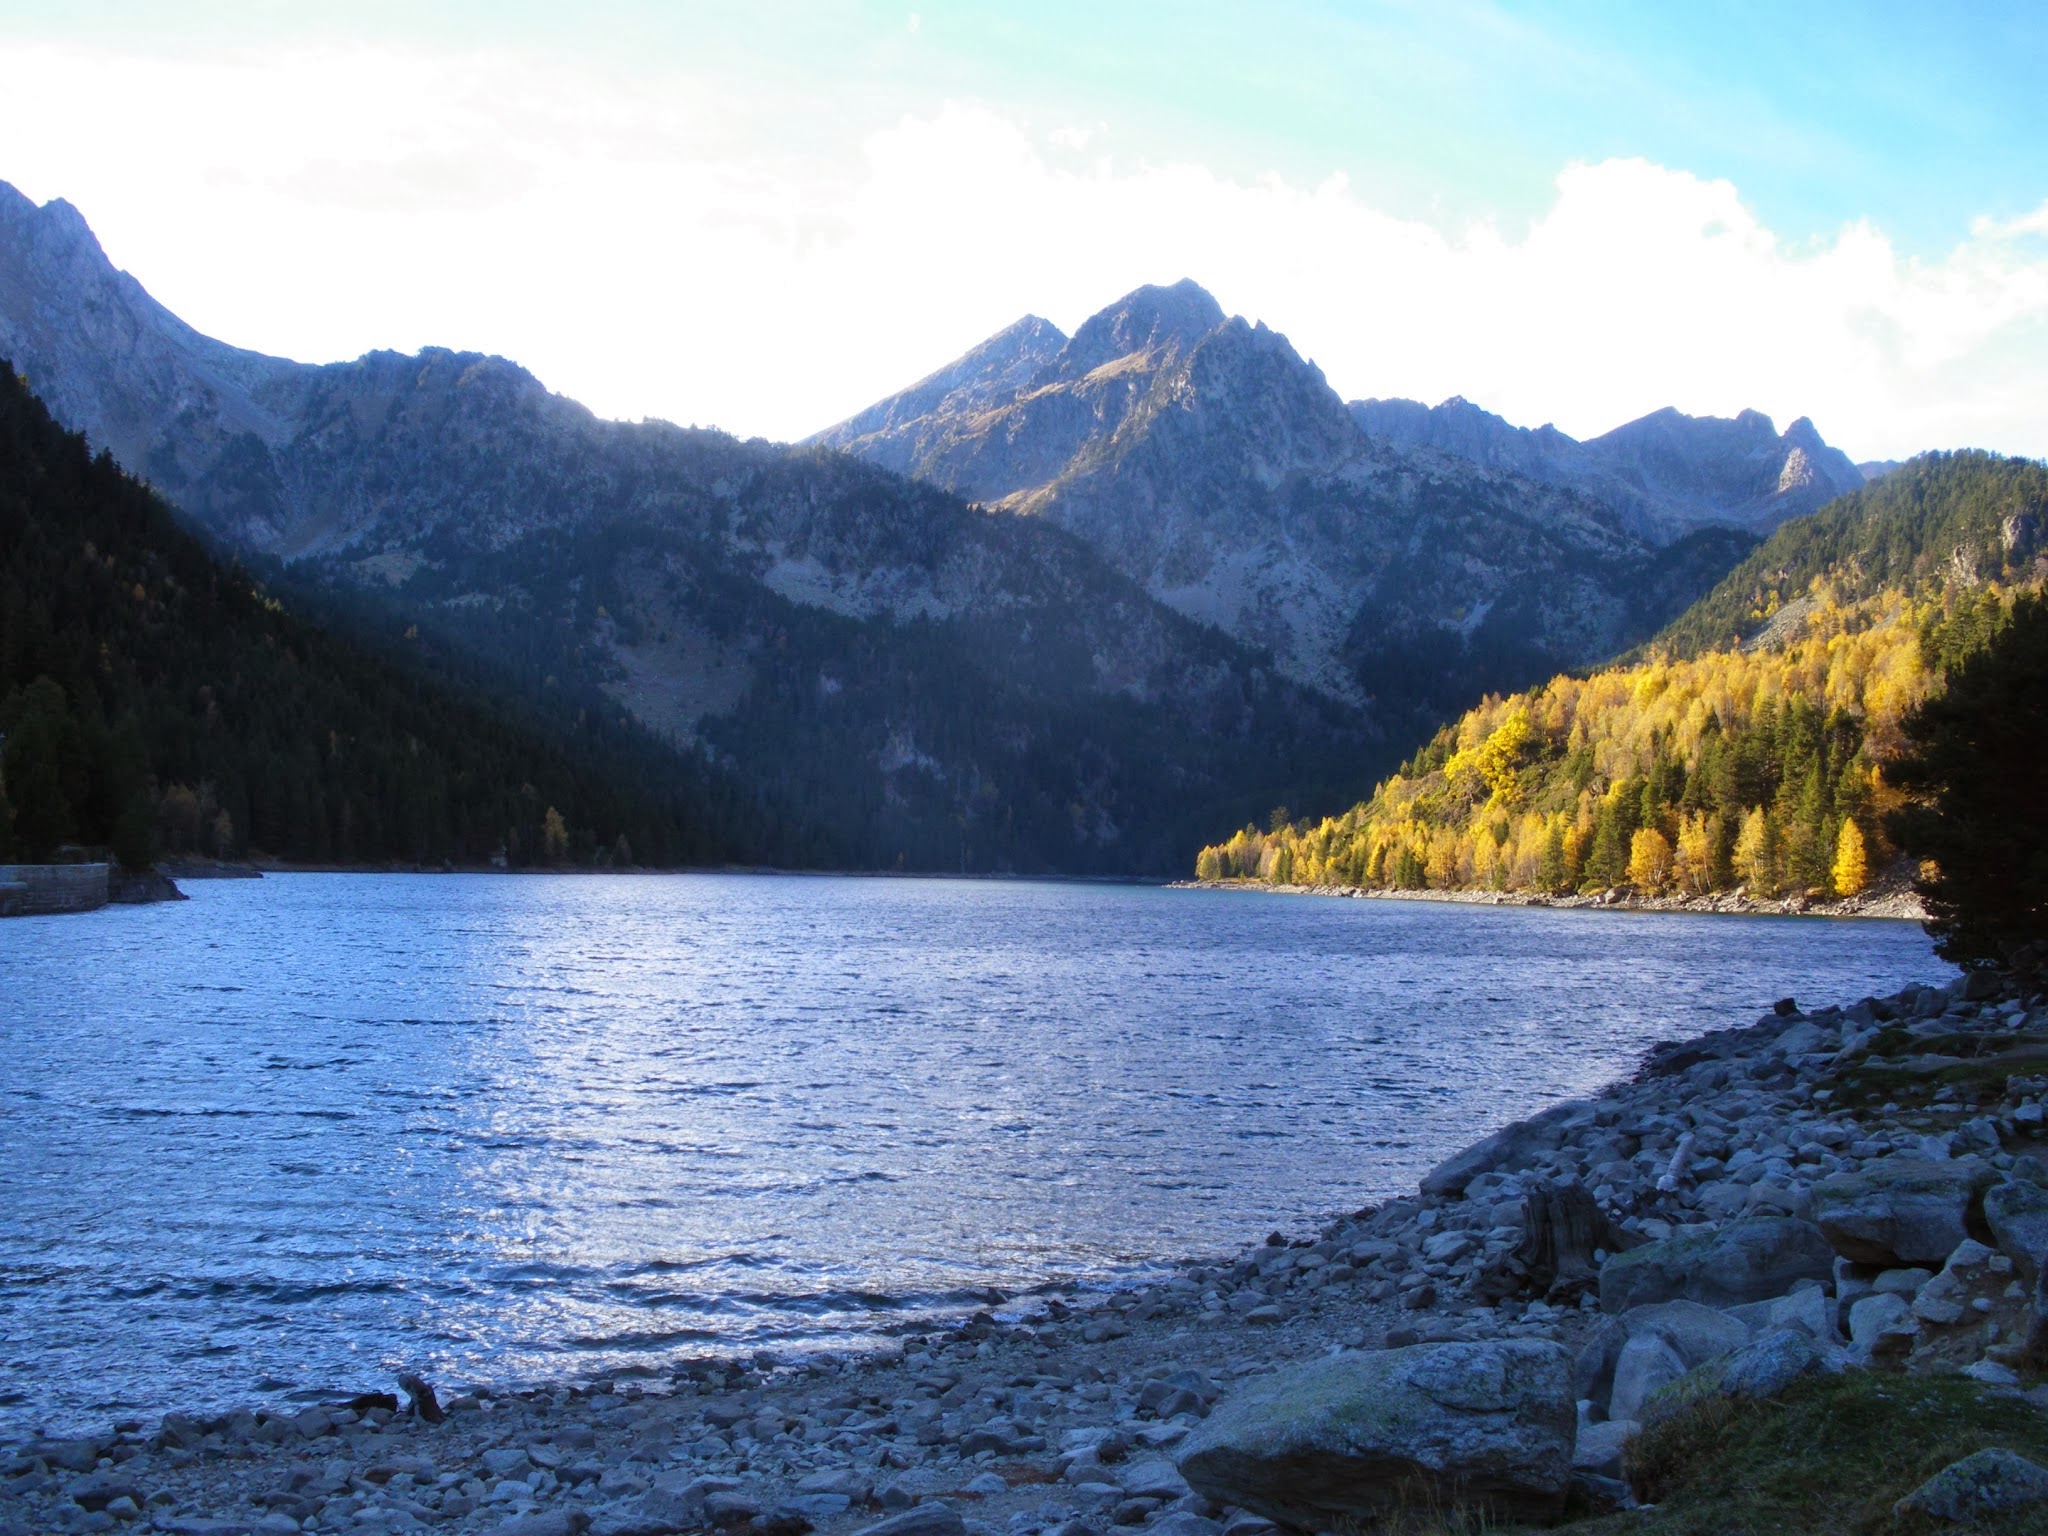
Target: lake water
column 299, row 1131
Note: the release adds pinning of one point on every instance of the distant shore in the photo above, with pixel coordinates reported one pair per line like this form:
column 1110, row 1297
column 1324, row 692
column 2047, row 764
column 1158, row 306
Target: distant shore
column 1890, row 901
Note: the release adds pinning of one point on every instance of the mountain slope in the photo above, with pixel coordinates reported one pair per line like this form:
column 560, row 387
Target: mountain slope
column 1208, row 461
column 149, row 694
column 1747, row 747
column 1666, row 474
column 915, row 681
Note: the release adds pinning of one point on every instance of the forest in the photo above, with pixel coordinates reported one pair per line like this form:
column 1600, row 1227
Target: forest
column 155, row 701
column 1745, row 748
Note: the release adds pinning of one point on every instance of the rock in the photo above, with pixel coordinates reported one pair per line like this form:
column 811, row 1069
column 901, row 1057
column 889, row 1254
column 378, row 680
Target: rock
column 935, row 1518
column 99, row 1489
column 675, row 1500
column 1182, row 1522
column 1647, row 1363
column 508, row 1461
column 1599, row 1446
column 70, row 1455
column 1697, row 1333
column 1807, row 1309
column 555, row 1522
column 1593, row 1370
column 1987, row 1483
column 828, row 1506
column 1488, row 1424
column 1508, row 1148
column 2017, row 1213
column 1754, row 1259
column 1992, row 1374
column 1152, row 1478
column 1770, row 1365
column 729, row 1507
column 1899, row 1211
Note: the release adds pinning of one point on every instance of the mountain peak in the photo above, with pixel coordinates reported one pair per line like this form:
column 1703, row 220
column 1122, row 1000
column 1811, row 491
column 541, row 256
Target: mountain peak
column 1144, row 320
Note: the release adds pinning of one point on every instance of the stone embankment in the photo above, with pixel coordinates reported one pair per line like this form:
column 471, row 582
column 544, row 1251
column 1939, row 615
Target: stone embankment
column 1893, row 899
column 39, row 890
column 1842, row 1191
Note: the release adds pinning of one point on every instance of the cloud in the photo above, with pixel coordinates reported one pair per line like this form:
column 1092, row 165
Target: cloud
column 671, row 246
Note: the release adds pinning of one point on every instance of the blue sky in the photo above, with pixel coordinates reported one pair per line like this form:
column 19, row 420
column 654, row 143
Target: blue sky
column 1457, row 122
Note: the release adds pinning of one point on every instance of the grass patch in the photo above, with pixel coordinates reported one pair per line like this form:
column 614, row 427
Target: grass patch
column 1901, row 1069
column 1830, row 1459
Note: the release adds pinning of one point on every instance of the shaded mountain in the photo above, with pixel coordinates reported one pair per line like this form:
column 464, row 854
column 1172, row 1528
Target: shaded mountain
column 1667, row 474
column 1211, row 463
column 914, row 681
column 153, row 700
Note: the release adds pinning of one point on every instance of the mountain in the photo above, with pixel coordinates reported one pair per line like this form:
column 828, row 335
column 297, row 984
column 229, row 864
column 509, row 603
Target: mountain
column 897, row 678
column 155, row 701
column 1746, row 745
column 1207, row 460
column 1667, row 474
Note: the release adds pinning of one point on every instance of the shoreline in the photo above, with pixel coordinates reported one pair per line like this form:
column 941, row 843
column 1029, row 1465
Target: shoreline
column 1072, row 1403
column 1890, row 903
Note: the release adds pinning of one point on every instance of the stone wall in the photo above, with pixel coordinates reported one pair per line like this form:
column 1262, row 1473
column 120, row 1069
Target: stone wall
column 31, row 889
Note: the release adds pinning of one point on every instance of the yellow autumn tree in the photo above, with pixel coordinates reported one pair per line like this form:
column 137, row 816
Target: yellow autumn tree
column 1756, row 854
column 1852, row 863
column 1693, row 864
column 1649, row 861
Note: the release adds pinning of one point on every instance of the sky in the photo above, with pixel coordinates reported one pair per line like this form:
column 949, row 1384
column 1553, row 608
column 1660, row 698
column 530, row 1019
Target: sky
column 764, row 217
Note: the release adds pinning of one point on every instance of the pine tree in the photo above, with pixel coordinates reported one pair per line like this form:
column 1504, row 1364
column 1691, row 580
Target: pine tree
column 1978, row 770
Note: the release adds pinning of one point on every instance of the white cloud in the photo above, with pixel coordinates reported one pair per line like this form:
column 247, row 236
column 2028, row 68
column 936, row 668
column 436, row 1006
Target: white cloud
column 668, row 247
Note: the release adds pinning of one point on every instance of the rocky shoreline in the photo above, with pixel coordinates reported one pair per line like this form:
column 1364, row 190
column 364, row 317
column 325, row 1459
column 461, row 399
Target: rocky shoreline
column 1855, row 1189
column 1893, row 900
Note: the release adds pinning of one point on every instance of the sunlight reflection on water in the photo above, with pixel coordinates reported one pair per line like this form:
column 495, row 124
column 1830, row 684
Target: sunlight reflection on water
column 316, row 1126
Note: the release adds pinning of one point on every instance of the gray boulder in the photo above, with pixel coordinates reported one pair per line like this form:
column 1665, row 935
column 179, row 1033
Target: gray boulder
column 1647, row 1364
column 1766, row 1368
column 1487, row 1426
column 1900, row 1210
column 1510, row 1147
column 2017, row 1213
column 1755, row 1259
column 1760, row 1370
column 1600, row 1447
column 1987, row 1483
column 1697, row 1333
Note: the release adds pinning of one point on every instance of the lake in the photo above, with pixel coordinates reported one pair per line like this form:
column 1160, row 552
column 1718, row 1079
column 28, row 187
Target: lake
column 294, row 1133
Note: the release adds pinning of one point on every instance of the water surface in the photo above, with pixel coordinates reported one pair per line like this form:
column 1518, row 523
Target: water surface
column 301, row 1130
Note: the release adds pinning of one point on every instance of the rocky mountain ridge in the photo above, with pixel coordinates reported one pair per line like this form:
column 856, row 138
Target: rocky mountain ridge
column 1667, row 473
column 1214, row 465
column 931, row 684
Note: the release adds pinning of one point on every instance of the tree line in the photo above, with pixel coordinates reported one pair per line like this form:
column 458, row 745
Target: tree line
column 1754, row 747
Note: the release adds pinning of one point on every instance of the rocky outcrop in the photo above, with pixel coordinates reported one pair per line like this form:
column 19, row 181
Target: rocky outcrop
column 1475, row 1426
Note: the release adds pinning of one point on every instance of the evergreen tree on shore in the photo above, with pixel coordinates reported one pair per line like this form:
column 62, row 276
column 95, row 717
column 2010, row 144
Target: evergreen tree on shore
column 1977, row 767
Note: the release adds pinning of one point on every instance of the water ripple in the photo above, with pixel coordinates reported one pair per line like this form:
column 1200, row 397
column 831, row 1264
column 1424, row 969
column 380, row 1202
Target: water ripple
column 308, row 1129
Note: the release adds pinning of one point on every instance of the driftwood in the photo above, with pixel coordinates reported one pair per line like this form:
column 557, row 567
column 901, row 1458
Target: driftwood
column 1563, row 1228
column 424, row 1404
